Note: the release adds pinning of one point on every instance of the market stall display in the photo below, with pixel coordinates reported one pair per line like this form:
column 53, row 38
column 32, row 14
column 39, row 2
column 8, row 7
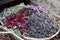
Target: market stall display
column 30, row 22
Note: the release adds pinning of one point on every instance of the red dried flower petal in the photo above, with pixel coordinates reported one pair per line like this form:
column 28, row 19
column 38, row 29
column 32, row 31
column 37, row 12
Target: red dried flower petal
column 18, row 15
column 17, row 19
column 22, row 20
column 6, row 24
column 12, row 17
column 20, row 27
column 9, row 18
column 25, row 17
column 13, row 23
column 25, row 26
column 22, row 14
column 13, row 20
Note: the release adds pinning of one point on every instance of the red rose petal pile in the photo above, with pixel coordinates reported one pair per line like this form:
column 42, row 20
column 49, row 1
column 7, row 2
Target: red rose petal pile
column 13, row 20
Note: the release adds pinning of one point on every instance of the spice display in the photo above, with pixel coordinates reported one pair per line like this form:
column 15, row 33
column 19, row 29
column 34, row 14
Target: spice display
column 6, row 37
column 31, row 23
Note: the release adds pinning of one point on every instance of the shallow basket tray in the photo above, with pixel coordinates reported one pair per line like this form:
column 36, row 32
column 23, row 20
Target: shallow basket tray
column 30, row 38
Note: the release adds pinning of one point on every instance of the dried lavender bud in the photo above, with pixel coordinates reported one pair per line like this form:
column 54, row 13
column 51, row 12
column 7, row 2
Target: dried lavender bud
column 40, row 26
column 40, row 8
column 32, row 7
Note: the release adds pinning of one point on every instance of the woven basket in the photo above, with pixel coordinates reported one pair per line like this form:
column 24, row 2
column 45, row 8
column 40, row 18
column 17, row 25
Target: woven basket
column 30, row 38
column 16, row 37
column 10, row 32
